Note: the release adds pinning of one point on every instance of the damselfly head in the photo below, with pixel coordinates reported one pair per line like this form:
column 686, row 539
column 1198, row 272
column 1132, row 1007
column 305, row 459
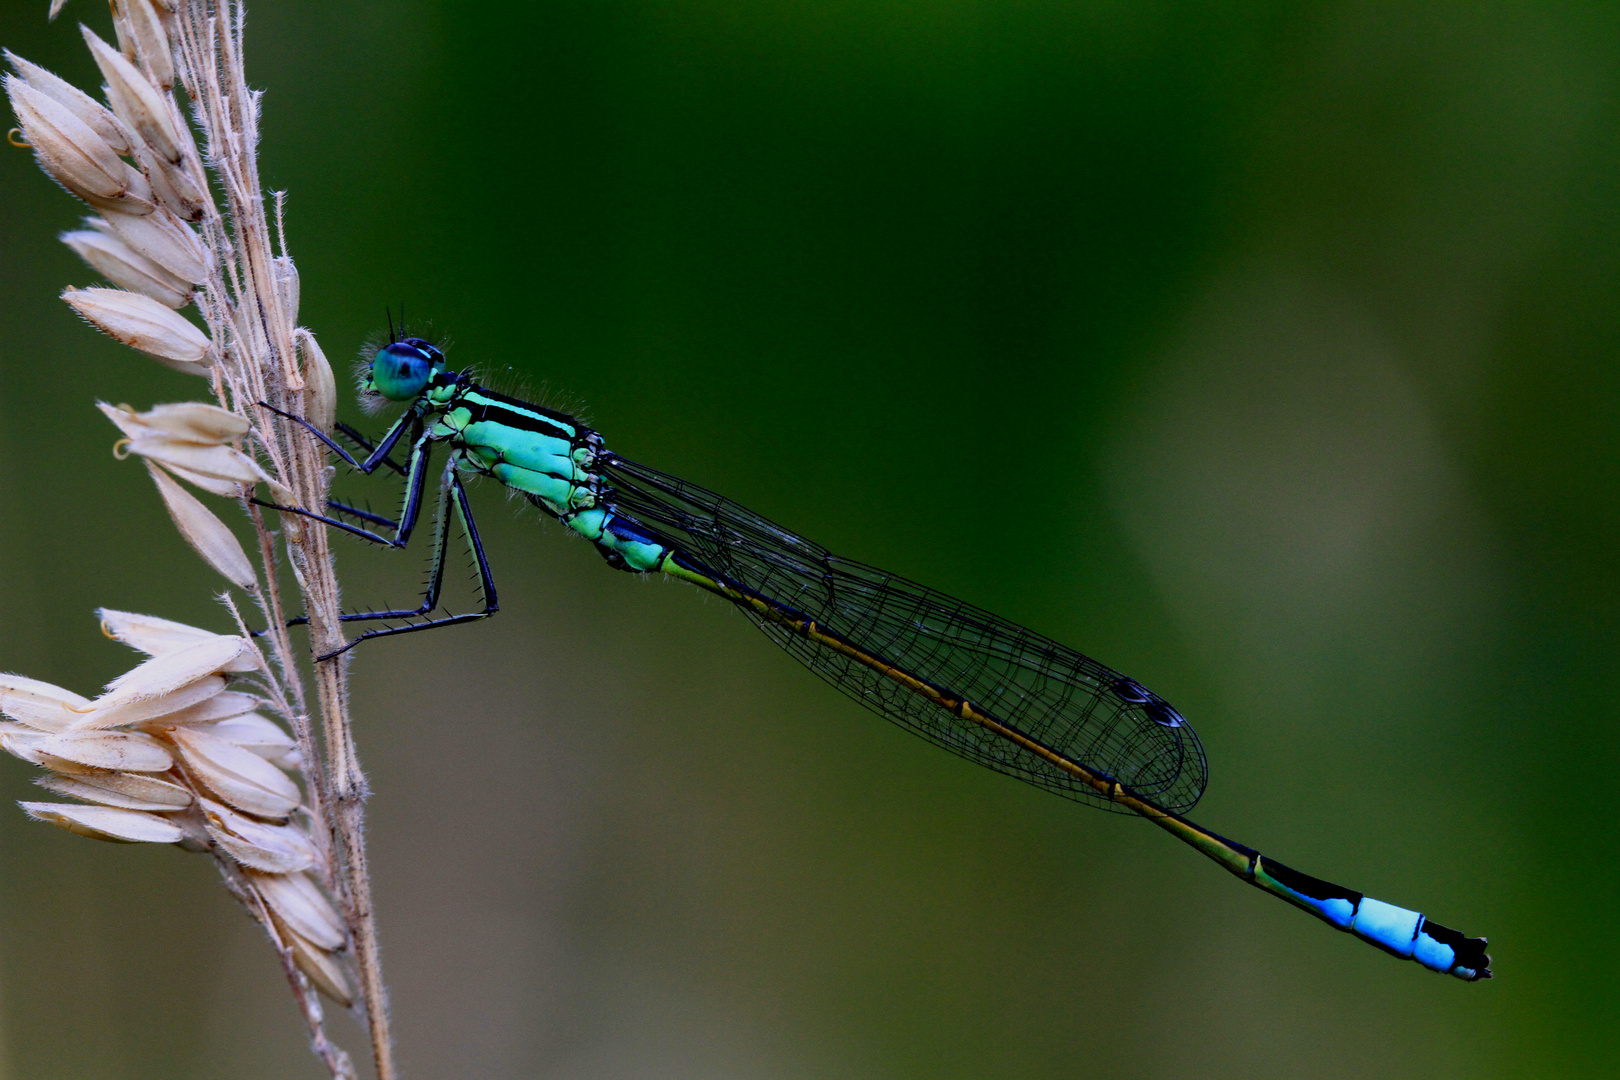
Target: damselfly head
column 401, row 370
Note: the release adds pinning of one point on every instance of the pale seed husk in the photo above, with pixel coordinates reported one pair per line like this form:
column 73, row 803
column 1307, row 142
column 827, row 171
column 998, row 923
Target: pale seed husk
column 292, row 525
column 322, row 969
column 190, row 428
column 86, row 108
column 125, row 418
column 291, row 761
column 151, row 43
column 126, row 45
column 67, row 148
column 20, row 743
column 150, row 634
column 164, row 674
column 251, row 731
column 105, row 823
column 320, row 388
column 286, row 275
column 274, row 849
column 239, row 777
column 39, row 704
column 196, row 836
column 172, row 186
column 123, row 267
column 229, row 489
column 121, row 713
column 220, row 462
column 141, row 106
column 137, row 199
column 190, row 421
column 118, row 751
column 167, row 672
column 231, row 703
column 129, row 791
column 23, row 744
column 196, row 421
column 208, row 536
column 302, row 908
column 115, row 711
column 142, row 323
column 59, row 765
column 165, row 239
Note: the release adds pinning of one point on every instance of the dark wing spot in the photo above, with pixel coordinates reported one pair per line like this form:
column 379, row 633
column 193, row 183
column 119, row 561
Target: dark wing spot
column 1157, row 709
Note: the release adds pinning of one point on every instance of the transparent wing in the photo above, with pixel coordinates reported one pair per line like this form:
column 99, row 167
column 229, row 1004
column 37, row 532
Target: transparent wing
column 1064, row 700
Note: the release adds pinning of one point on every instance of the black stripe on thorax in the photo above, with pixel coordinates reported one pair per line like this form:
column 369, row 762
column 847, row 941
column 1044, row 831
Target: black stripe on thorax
column 489, row 407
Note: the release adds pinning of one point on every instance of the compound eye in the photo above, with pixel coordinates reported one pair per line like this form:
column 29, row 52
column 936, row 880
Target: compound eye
column 400, row 372
column 425, row 347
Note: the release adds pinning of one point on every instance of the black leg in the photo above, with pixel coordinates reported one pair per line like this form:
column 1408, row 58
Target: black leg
column 456, row 494
column 361, row 515
column 378, row 455
column 421, row 453
column 350, row 511
column 435, row 579
column 365, row 444
column 414, row 471
column 415, row 481
column 364, row 534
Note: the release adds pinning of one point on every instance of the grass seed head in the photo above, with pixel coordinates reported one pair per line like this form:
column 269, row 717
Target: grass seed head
column 142, row 107
column 115, row 751
column 237, row 776
column 128, row 791
column 169, row 753
column 106, row 823
column 208, row 536
column 143, row 323
column 143, row 28
column 119, row 264
column 86, row 108
column 164, row 239
column 258, row 845
column 66, row 147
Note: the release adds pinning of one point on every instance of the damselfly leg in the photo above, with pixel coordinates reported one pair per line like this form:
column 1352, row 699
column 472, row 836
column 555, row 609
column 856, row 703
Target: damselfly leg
column 366, row 446
column 452, row 500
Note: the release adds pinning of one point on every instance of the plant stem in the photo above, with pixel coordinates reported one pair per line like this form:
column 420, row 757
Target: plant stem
column 251, row 317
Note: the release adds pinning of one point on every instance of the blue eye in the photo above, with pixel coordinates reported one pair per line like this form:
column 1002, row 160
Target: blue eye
column 400, row 372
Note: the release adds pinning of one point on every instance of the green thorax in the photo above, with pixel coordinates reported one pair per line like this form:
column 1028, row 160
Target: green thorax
column 547, row 455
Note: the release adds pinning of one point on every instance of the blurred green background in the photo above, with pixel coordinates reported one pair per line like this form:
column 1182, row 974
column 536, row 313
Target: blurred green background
column 1263, row 351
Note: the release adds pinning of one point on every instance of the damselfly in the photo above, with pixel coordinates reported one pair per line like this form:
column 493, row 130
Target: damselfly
column 975, row 684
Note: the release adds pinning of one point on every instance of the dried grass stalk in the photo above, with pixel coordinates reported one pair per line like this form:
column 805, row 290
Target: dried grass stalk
column 170, row 752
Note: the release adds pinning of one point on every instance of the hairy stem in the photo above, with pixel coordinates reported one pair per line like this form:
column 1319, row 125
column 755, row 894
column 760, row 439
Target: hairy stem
column 251, row 314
